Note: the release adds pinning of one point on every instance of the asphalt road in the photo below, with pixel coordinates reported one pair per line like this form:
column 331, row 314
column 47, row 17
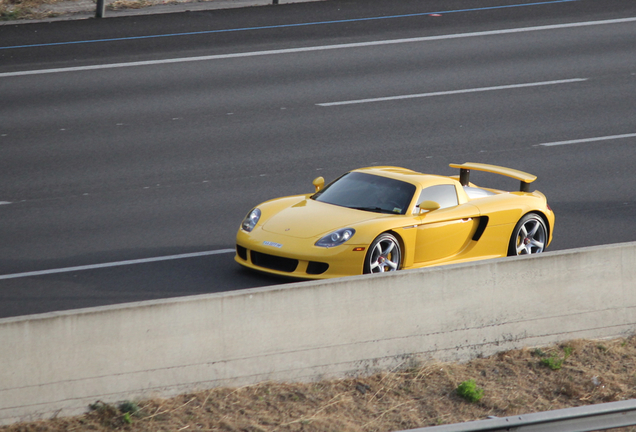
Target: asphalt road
column 151, row 136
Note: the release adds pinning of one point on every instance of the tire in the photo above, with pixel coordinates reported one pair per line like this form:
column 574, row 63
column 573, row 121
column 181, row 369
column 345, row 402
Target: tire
column 383, row 255
column 530, row 236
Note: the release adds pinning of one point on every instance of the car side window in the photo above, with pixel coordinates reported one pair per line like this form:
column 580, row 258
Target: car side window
column 444, row 195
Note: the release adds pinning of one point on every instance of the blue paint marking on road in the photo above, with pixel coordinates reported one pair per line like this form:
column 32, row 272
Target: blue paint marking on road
column 283, row 25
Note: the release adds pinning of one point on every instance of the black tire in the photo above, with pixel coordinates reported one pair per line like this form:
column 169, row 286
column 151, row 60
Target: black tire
column 530, row 236
column 384, row 254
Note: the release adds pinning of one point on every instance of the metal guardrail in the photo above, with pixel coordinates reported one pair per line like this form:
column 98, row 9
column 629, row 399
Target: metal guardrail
column 579, row 419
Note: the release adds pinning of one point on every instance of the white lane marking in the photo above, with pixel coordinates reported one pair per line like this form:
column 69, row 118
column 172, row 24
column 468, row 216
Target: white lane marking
column 451, row 92
column 4, row 202
column 115, row 264
column 585, row 140
column 317, row 48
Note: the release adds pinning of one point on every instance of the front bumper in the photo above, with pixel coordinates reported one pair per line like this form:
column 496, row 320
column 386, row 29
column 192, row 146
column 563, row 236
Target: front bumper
column 297, row 258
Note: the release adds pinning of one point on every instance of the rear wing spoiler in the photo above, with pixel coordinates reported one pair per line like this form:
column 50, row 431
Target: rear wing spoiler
column 524, row 177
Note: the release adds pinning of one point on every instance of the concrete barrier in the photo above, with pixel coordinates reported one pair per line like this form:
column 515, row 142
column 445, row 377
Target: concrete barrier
column 58, row 363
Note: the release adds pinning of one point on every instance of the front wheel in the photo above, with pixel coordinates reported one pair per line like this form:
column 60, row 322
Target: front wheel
column 384, row 255
column 529, row 236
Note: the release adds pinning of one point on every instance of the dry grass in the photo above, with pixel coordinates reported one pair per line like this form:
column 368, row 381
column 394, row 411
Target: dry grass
column 129, row 4
column 514, row 382
column 35, row 9
column 23, row 9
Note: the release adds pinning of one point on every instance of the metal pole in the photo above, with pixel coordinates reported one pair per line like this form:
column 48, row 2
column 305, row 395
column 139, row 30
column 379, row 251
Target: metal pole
column 101, row 9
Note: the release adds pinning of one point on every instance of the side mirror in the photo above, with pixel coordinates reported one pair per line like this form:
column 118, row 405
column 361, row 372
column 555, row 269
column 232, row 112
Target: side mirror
column 318, row 183
column 426, row 206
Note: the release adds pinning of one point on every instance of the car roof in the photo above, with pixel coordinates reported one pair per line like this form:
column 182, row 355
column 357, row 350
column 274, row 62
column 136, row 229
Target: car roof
column 407, row 175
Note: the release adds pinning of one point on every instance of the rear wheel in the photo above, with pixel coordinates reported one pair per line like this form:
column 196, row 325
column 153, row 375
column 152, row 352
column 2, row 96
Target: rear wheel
column 529, row 236
column 384, row 255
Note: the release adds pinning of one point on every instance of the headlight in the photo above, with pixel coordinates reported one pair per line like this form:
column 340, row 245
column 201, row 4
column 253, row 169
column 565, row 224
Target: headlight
column 336, row 238
column 251, row 220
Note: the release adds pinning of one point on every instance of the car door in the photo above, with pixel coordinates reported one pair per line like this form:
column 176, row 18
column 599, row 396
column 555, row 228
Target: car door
column 444, row 232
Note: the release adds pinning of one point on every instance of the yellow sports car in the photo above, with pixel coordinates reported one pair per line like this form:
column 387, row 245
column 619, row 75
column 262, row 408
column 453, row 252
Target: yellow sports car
column 379, row 219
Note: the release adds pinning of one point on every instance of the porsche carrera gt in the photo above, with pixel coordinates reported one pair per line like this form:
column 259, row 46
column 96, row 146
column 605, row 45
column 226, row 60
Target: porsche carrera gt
column 380, row 219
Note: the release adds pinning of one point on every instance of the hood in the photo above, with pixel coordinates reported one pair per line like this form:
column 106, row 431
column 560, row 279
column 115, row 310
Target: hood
column 309, row 218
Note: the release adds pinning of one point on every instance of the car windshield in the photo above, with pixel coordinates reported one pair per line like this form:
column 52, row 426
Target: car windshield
column 368, row 192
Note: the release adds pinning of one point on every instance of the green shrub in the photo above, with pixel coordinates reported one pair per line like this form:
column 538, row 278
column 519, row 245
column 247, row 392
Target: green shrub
column 555, row 362
column 127, row 419
column 128, row 407
column 469, row 391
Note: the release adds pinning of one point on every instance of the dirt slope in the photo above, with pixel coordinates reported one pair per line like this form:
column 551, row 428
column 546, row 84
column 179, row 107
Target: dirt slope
column 513, row 382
